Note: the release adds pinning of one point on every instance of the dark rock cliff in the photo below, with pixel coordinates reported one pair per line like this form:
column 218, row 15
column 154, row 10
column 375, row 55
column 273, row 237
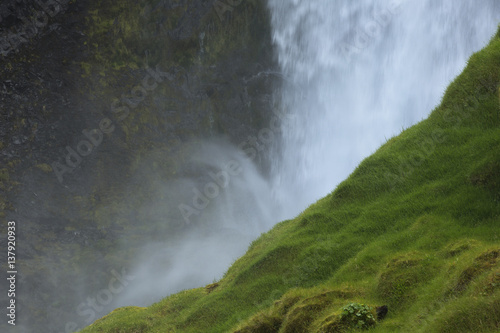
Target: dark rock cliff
column 144, row 82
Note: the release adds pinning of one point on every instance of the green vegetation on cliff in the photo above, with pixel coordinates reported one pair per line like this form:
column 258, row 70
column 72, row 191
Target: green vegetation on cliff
column 415, row 227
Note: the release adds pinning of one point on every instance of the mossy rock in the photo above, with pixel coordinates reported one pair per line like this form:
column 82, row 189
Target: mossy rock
column 332, row 324
column 4, row 175
column 302, row 316
column 483, row 263
column 263, row 323
column 491, row 284
column 466, row 315
column 457, row 248
column 402, row 276
column 211, row 287
column 44, row 167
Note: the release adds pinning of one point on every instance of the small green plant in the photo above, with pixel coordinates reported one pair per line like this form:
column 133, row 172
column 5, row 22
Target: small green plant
column 358, row 316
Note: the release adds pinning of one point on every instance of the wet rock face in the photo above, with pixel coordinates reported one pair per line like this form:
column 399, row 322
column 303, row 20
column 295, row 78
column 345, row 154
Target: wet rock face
column 21, row 21
column 65, row 78
column 12, row 10
column 191, row 19
column 45, row 104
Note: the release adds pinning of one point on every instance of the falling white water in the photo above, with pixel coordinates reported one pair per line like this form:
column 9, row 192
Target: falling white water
column 357, row 73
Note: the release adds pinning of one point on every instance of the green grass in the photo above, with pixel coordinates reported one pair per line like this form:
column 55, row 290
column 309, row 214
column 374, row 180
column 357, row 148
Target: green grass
column 415, row 227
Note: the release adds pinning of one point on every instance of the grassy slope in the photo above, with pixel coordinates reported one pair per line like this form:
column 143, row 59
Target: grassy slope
column 416, row 226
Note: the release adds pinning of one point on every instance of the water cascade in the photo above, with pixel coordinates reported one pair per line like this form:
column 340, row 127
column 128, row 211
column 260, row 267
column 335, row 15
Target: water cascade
column 357, row 73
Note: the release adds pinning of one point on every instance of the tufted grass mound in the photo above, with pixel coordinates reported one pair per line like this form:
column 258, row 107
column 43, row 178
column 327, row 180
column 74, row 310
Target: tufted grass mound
column 415, row 227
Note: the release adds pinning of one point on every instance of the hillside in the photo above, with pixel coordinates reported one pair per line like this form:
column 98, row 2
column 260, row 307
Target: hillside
column 414, row 227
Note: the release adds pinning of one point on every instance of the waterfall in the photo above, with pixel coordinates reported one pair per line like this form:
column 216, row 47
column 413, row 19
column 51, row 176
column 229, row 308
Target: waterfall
column 357, row 72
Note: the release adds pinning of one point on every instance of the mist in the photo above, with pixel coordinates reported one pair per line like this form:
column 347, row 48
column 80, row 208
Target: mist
column 222, row 203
